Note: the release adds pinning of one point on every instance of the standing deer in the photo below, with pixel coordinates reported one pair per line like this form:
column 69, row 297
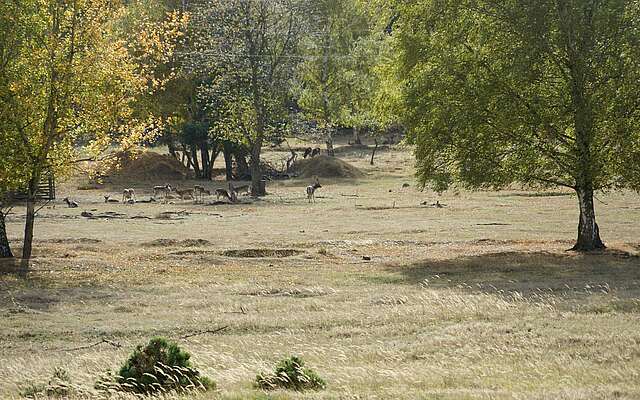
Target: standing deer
column 200, row 191
column 311, row 190
column 185, row 194
column 164, row 190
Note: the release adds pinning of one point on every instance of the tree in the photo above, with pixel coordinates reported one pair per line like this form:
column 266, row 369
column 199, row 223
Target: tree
column 542, row 93
column 247, row 49
column 70, row 79
column 336, row 78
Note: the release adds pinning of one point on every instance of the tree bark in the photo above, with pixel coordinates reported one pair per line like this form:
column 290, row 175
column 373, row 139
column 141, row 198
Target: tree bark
column 27, row 245
column 5, row 248
column 204, row 156
column 329, row 142
column 256, row 170
column 588, row 231
column 228, row 160
column 356, row 136
column 195, row 162
column 373, row 154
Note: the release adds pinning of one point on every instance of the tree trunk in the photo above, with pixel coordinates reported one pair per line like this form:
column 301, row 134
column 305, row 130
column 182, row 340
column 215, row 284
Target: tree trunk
column 242, row 168
column 356, row 136
column 204, row 156
column 5, row 249
column 373, row 154
column 27, row 244
column 329, row 142
column 194, row 162
column 256, row 171
column 588, row 231
column 228, row 160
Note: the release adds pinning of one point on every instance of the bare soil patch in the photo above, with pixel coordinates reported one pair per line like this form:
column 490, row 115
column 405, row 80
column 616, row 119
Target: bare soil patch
column 262, row 253
column 177, row 243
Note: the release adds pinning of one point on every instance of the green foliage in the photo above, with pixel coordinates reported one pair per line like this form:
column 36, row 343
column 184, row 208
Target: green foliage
column 291, row 374
column 337, row 79
column 542, row 93
column 160, row 366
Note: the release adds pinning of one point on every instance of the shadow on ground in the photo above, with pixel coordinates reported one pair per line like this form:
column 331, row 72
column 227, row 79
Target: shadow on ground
column 531, row 273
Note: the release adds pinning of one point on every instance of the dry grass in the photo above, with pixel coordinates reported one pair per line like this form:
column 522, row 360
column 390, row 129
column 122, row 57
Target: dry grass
column 476, row 300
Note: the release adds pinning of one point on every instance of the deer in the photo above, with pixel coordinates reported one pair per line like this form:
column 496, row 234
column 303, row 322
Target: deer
column 128, row 196
column 222, row 193
column 311, row 190
column 307, row 152
column 200, row 191
column 185, row 193
column 108, row 199
column 70, row 203
column 246, row 189
column 165, row 190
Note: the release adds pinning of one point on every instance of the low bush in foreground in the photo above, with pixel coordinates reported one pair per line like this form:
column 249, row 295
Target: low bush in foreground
column 160, row 366
column 291, row 374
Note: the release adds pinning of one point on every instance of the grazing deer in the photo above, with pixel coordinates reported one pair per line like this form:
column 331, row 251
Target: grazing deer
column 311, row 190
column 222, row 193
column 245, row 189
column 70, row 203
column 164, row 190
column 108, row 199
column 128, row 196
column 307, row 152
column 200, row 191
column 185, row 193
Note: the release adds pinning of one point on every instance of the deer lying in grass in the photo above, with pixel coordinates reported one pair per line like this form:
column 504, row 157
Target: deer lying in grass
column 70, row 203
column 311, row 190
column 128, row 196
column 108, row 199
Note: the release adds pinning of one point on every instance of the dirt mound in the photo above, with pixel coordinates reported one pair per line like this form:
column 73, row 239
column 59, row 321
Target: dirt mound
column 149, row 166
column 326, row 167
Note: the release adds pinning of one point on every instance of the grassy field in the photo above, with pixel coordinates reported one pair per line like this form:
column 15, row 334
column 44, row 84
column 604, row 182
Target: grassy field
column 475, row 300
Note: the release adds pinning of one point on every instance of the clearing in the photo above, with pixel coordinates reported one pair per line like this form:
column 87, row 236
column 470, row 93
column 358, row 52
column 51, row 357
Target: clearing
column 384, row 295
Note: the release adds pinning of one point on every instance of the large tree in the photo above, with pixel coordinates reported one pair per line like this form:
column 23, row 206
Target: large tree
column 543, row 93
column 69, row 77
column 247, row 49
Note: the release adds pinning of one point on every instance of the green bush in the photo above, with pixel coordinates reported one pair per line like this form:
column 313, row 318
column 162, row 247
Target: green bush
column 160, row 366
column 291, row 374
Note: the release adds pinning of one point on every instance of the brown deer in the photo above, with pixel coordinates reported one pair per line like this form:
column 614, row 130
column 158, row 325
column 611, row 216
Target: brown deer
column 311, row 190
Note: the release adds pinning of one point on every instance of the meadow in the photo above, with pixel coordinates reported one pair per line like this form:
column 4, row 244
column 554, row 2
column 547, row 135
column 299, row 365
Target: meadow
column 382, row 293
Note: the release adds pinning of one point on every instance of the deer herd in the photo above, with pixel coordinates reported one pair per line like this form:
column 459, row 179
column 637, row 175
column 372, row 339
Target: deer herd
column 197, row 194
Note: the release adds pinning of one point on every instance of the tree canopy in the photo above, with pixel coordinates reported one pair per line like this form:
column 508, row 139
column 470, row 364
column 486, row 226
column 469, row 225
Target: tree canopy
column 542, row 93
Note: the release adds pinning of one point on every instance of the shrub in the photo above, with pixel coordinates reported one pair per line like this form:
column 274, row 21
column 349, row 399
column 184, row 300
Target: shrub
column 59, row 385
column 160, row 366
column 291, row 374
